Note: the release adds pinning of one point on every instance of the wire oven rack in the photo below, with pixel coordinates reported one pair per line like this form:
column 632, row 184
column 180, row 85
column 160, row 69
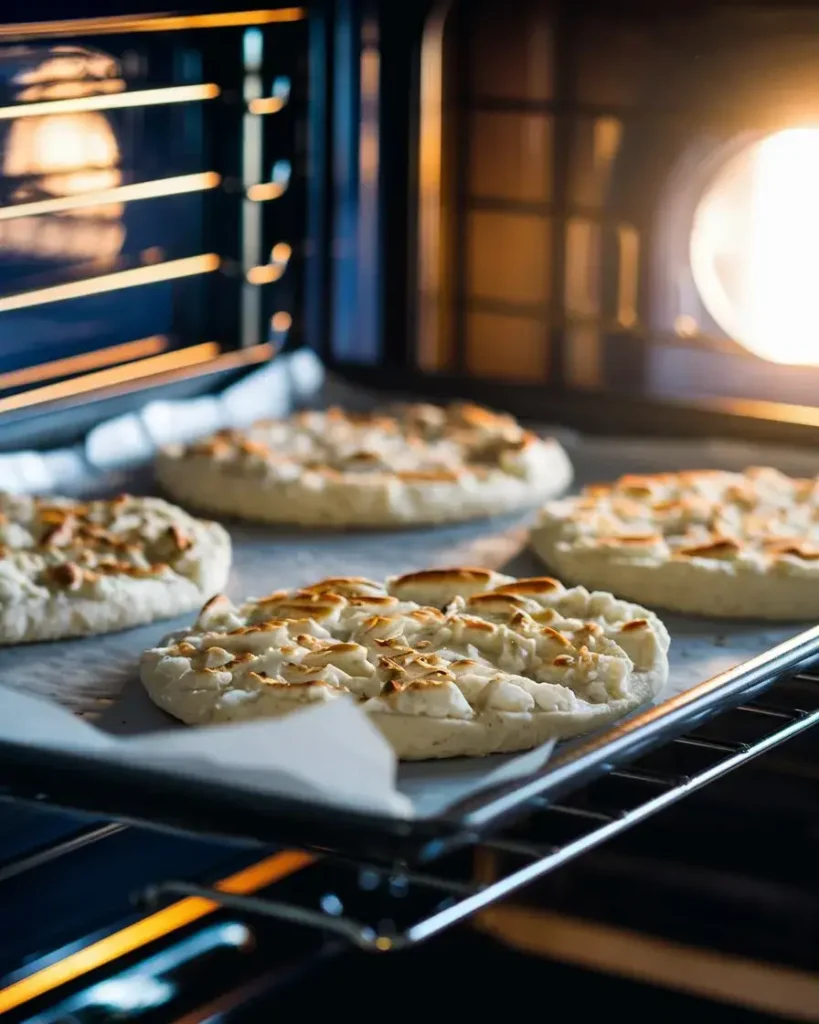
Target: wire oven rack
column 364, row 900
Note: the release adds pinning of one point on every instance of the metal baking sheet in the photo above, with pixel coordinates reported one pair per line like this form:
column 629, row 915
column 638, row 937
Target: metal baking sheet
column 96, row 677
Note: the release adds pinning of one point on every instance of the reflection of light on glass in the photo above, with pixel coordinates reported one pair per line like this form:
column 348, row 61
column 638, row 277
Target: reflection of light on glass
column 173, row 269
column 84, row 362
column 60, row 156
column 60, row 142
column 755, row 247
column 140, row 98
column 148, row 929
column 686, row 326
column 281, row 322
column 125, row 193
column 277, row 186
column 280, row 253
column 265, row 274
column 67, row 90
column 151, row 23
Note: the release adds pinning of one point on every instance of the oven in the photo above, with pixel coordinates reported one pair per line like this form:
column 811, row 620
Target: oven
column 601, row 215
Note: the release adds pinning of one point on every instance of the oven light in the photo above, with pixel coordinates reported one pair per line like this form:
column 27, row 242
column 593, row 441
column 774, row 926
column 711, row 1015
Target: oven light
column 755, row 247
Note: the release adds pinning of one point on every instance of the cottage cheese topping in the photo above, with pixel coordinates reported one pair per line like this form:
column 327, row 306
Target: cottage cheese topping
column 398, row 466
column 59, row 556
column 668, row 533
column 461, row 645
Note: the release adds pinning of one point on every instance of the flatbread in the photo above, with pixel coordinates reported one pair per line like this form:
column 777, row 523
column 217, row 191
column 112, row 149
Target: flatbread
column 506, row 665
column 417, row 464
column 72, row 569
column 718, row 544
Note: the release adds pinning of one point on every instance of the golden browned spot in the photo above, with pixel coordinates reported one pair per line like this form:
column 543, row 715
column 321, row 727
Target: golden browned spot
column 265, row 680
column 373, row 602
column 431, row 476
column 479, row 624
column 181, row 541
column 457, row 574
column 363, row 457
column 494, row 597
column 799, row 551
column 528, row 585
column 274, row 598
column 553, row 634
column 520, row 619
column 391, row 667
column 635, row 624
column 248, row 447
column 60, row 534
column 544, row 615
column 339, row 583
column 4, row 551
column 632, row 538
column 597, row 490
column 66, row 575
column 216, row 446
column 239, row 659
column 375, row 621
column 427, row 614
column 213, row 602
column 478, row 416
column 54, row 515
column 715, row 549
column 592, row 628
column 563, row 659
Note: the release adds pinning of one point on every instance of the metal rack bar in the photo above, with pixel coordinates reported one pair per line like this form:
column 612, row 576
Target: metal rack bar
column 542, row 858
column 46, row 854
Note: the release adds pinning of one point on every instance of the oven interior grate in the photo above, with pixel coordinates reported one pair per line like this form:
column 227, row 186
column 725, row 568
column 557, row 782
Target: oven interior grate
column 352, row 900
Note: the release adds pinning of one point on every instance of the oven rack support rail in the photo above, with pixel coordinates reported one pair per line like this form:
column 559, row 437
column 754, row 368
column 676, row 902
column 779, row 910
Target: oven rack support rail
column 458, row 899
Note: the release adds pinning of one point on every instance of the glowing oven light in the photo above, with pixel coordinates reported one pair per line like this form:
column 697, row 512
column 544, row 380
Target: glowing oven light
column 755, row 247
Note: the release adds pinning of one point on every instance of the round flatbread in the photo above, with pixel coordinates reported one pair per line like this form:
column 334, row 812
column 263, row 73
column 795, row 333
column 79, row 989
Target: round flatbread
column 739, row 545
column 506, row 665
column 418, row 464
column 69, row 568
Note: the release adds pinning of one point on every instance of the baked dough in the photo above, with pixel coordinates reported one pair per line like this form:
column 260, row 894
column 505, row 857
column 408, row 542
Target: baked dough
column 713, row 543
column 72, row 569
column 417, row 464
column 446, row 662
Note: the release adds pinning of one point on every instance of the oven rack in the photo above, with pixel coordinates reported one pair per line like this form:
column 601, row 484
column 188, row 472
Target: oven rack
column 496, row 867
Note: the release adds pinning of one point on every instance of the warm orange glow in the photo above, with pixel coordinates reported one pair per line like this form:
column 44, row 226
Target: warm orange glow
column 187, row 267
column 755, row 247
column 281, row 322
column 765, row 987
column 157, row 925
column 270, row 190
column 270, row 105
column 114, row 25
column 194, row 361
column 125, row 193
column 280, row 253
column 138, row 98
column 265, row 274
column 185, row 357
column 86, row 361
column 67, row 90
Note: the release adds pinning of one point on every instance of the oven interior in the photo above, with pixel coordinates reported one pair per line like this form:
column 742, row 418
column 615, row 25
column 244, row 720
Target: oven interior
column 599, row 213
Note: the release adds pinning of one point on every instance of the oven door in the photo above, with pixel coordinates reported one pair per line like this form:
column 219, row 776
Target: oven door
column 158, row 224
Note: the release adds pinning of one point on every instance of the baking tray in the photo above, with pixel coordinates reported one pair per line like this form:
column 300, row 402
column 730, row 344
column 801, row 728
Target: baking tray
column 714, row 666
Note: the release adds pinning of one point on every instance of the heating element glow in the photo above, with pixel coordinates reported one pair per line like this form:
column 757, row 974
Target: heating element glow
column 755, row 248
